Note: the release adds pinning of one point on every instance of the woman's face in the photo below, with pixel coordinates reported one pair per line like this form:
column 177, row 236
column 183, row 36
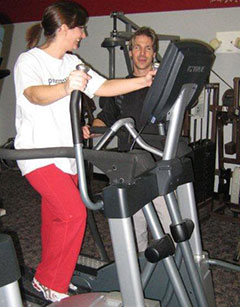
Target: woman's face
column 74, row 37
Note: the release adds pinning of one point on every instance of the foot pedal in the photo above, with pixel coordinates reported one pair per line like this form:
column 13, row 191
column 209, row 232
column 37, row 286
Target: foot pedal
column 86, row 268
column 90, row 262
column 112, row 299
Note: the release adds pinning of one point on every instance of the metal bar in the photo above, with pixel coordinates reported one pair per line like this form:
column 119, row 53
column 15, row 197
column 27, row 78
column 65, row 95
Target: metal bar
column 169, row 264
column 127, row 267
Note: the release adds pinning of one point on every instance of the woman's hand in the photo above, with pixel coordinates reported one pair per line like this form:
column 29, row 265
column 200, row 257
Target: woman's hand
column 77, row 80
column 150, row 76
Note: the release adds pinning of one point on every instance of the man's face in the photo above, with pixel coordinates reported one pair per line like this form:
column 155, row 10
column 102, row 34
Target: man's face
column 142, row 53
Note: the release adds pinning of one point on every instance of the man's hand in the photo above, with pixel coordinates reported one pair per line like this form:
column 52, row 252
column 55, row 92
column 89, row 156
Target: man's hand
column 86, row 132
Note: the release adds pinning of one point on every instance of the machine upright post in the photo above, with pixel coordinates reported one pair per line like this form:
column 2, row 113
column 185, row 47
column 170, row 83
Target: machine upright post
column 127, row 267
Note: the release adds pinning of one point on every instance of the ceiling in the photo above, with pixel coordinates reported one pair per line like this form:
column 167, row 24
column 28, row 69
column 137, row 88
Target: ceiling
column 14, row 11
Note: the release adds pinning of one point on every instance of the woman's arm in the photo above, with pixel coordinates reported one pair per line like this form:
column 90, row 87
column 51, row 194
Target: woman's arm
column 77, row 80
column 47, row 94
column 122, row 86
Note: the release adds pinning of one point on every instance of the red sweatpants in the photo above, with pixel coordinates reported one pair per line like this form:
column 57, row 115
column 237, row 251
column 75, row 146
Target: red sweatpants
column 63, row 225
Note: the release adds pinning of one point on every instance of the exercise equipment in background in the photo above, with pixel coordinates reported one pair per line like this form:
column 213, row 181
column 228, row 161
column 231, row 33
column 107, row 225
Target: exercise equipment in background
column 228, row 153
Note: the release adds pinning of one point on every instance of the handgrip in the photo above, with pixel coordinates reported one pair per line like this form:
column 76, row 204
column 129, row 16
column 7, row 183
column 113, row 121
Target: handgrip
column 76, row 110
column 98, row 130
column 83, row 67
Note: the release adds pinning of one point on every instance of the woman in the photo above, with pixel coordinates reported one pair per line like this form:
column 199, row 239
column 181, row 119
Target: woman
column 44, row 78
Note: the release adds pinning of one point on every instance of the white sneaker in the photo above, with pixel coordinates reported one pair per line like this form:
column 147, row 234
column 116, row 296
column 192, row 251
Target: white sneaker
column 72, row 287
column 49, row 294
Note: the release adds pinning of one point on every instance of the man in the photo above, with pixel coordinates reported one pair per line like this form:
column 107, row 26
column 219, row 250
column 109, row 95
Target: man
column 143, row 47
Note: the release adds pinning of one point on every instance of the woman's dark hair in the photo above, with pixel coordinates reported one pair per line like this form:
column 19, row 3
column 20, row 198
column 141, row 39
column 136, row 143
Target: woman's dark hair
column 61, row 12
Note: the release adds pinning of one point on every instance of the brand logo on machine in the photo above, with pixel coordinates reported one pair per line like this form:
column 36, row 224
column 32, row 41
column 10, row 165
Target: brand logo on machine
column 195, row 68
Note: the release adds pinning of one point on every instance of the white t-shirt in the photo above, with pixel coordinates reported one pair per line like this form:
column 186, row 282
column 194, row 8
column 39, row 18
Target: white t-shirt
column 41, row 126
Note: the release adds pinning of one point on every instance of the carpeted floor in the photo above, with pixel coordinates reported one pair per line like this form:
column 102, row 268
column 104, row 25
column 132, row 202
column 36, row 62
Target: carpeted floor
column 220, row 235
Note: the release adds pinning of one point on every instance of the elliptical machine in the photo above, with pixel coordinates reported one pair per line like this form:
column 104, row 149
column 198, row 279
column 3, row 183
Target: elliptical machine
column 177, row 85
column 183, row 279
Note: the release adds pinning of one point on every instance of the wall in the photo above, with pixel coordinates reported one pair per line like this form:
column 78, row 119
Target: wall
column 199, row 24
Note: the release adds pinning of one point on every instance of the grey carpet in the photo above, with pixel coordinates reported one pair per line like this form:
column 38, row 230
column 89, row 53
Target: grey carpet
column 220, row 235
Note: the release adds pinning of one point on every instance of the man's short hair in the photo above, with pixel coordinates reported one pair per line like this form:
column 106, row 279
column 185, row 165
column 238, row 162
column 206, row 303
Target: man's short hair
column 149, row 32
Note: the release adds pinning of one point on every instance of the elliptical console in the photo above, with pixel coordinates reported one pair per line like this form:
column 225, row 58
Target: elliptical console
column 184, row 62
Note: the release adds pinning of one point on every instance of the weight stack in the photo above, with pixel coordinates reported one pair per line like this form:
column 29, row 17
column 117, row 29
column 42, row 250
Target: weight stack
column 204, row 157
